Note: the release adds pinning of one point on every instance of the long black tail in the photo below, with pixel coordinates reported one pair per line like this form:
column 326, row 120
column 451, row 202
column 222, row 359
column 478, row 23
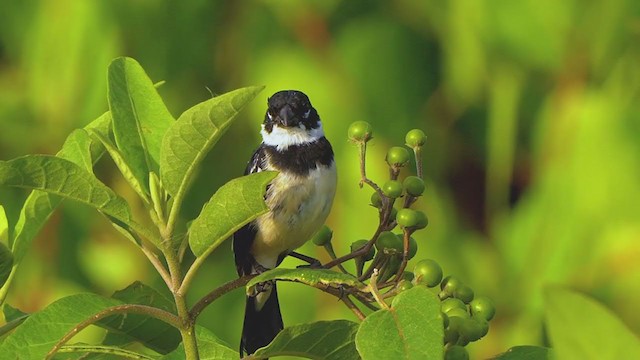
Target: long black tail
column 260, row 326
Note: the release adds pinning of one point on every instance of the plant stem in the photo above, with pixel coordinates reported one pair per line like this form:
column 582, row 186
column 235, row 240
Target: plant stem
column 156, row 313
column 374, row 290
column 216, row 293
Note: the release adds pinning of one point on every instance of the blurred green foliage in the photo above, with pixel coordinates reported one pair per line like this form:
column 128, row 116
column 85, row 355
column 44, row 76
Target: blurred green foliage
column 530, row 107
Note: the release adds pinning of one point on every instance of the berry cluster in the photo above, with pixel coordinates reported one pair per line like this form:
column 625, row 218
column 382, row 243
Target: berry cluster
column 382, row 260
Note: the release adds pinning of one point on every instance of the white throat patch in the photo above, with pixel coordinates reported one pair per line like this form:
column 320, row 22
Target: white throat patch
column 282, row 138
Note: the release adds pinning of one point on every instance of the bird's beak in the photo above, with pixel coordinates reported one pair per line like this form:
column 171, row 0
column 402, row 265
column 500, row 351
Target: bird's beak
column 286, row 116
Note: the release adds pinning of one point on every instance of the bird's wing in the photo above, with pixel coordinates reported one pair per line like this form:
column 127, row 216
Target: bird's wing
column 243, row 238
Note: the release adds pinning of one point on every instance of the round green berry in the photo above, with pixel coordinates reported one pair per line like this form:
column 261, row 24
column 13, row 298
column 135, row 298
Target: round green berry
column 376, row 201
column 360, row 131
column 413, row 185
column 452, row 303
column 397, row 156
column 415, row 138
column 413, row 248
column 445, row 319
column 389, row 243
column 404, row 285
column 393, row 214
column 473, row 329
column 482, row 307
column 452, row 331
column 407, row 218
column 464, row 293
column 457, row 312
column 359, row 244
column 450, row 284
column 323, row 236
column 428, row 272
column 392, row 188
column 456, row 352
column 423, row 221
column 407, row 275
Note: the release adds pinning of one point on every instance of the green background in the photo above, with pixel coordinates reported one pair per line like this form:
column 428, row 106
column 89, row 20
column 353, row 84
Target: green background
column 530, row 107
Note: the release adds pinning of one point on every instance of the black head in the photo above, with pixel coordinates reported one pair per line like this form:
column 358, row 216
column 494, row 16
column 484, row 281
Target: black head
column 290, row 108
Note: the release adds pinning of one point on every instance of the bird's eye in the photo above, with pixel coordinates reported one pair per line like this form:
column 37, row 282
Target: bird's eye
column 269, row 115
column 306, row 115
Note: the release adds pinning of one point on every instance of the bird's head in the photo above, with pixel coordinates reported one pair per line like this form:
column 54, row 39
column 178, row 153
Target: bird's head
column 290, row 120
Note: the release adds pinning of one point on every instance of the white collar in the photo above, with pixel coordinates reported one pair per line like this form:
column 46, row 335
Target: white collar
column 282, row 138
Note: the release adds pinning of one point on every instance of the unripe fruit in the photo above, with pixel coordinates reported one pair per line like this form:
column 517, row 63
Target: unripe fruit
column 474, row 329
column 407, row 275
column 445, row 319
column 464, row 293
column 451, row 332
column 359, row 244
column 452, row 303
column 404, row 285
column 413, row 248
column 389, row 243
column 393, row 214
column 392, row 189
column 482, row 307
column 415, row 138
column 428, row 272
column 423, row 221
column 323, row 236
column 457, row 312
column 456, row 352
column 450, row 284
column 397, row 156
column 376, row 201
column 413, row 185
column 407, row 218
column 360, row 131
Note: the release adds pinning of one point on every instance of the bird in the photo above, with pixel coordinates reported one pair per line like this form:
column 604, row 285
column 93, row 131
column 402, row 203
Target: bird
column 299, row 199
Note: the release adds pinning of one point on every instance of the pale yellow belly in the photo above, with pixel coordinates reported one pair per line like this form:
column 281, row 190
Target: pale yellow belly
column 299, row 206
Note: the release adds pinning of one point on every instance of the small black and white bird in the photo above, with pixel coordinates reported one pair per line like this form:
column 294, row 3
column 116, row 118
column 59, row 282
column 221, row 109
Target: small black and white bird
column 299, row 200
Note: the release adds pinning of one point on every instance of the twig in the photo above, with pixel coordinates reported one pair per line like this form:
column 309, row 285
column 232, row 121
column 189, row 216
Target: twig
column 216, row 293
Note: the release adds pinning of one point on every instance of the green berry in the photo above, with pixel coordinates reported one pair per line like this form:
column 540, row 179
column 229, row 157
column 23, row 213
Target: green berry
column 413, row 185
column 457, row 312
column 452, row 303
column 359, row 244
column 407, row 218
column 413, row 248
column 376, row 201
column 445, row 319
column 393, row 214
column 415, row 138
column 456, row 352
column 428, row 272
column 423, row 221
column 450, row 284
column 404, row 285
column 397, row 156
column 407, row 275
column 464, row 293
column 323, row 236
column 359, row 131
column 389, row 243
column 482, row 307
column 392, row 189
column 474, row 329
column 452, row 331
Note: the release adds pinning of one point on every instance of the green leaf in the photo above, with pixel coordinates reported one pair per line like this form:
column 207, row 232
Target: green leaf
column 42, row 330
column 78, row 147
column 525, row 352
column 210, row 347
column 306, row 276
column 63, row 178
column 40, row 205
column 411, row 329
column 140, row 117
column 580, row 328
column 195, row 132
column 4, row 226
column 231, row 207
column 121, row 163
column 6, row 263
column 328, row 340
column 152, row 333
column 12, row 317
column 80, row 351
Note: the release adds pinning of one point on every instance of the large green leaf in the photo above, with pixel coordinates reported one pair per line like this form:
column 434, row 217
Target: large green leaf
column 39, row 204
column 42, row 330
column 6, row 263
column 153, row 333
column 210, row 347
column 63, row 178
column 580, row 328
column 411, row 329
column 231, row 207
column 13, row 318
column 197, row 130
column 140, row 117
column 328, row 340
column 525, row 352
column 306, row 276
column 98, row 352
